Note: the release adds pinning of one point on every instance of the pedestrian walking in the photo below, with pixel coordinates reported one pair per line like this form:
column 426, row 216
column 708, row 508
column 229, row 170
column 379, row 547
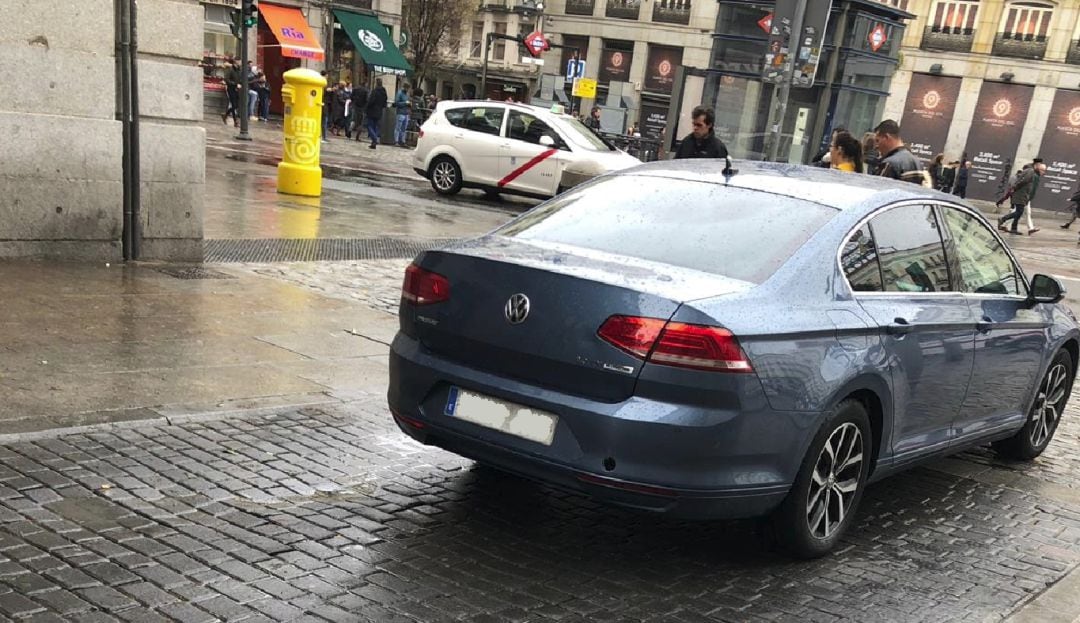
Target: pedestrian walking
column 948, row 177
column 359, row 104
column 253, row 94
column 232, row 92
column 963, row 174
column 898, row 163
column 1023, row 191
column 262, row 87
column 402, row 106
column 937, row 168
column 702, row 142
column 376, row 104
column 845, row 154
column 823, row 158
column 337, row 110
column 1075, row 200
column 1008, row 188
column 593, row 122
column 871, row 157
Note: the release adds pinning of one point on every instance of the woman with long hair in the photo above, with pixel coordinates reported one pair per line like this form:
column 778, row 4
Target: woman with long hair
column 846, row 153
column 871, row 157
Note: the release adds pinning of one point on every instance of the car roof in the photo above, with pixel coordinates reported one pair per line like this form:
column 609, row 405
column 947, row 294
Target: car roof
column 836, row 189
column 536, row 110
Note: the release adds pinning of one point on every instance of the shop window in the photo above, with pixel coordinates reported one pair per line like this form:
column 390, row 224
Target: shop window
column 499, row 54
column 743, row 19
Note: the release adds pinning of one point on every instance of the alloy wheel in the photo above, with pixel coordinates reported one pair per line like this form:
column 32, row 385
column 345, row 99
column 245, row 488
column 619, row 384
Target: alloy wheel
column 835, row 481
column 1048, row 405
column 444, row 175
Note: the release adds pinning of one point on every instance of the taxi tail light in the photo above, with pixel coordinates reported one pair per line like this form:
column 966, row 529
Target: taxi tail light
column 677, row 344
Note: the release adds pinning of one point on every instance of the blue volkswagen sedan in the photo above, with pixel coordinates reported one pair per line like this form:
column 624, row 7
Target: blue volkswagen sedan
column 716, row 344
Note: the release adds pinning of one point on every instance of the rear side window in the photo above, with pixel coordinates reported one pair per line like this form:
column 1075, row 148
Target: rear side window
column 910, row 250
column 477, row 119
column 726, row 231
column 860, row 261
column 985, row 266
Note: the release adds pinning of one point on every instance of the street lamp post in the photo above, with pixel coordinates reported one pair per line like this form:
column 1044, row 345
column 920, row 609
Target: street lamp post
column 526, row 9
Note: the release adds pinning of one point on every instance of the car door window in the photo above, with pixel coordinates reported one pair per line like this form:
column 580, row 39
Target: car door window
column 486, row 120
column 985, row 266
column 910, row 250
column 527, row 128
column 860, row 261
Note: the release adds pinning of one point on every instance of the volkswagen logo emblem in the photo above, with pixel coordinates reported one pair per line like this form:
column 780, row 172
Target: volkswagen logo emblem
column 517, row 309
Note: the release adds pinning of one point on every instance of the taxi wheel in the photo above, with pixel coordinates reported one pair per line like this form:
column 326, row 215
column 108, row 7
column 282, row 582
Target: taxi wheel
column 445, row 176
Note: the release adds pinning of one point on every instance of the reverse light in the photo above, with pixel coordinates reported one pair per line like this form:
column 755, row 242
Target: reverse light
column 423, row 287
column 699, row 347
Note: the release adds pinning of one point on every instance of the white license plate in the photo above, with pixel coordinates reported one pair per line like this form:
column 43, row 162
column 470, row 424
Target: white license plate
column 500, row 415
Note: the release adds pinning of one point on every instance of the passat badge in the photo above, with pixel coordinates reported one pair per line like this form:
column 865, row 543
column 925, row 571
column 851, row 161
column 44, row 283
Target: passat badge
column 517, row 309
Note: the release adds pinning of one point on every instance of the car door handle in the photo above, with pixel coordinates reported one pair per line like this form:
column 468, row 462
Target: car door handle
column 985, row 325
column 899, row 327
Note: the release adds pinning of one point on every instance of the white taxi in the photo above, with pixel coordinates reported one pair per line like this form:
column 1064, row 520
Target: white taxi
column 510, row 148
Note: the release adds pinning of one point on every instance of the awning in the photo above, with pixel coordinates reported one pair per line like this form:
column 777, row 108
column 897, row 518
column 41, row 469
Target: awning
column 292, row 32
column 374, row 43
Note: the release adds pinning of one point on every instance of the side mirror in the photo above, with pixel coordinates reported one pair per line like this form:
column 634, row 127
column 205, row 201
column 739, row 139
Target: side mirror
column 547, row 141
column 1046, row 289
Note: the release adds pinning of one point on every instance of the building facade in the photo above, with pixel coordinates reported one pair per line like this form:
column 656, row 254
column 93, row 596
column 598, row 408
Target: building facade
column 995, row 82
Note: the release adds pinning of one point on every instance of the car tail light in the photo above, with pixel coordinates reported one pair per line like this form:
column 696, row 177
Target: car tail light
column 676, row 344
column 423, row 287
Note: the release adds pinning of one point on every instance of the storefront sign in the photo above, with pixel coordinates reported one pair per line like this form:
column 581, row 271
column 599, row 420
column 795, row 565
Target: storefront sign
column 1060, row 152
column 928, row 113
column 660, row 70
column 653, row 120
column 995, row 135
column 615, row 65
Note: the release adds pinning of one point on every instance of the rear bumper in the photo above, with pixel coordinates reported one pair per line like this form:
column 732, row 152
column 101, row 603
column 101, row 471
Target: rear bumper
column 669, row 458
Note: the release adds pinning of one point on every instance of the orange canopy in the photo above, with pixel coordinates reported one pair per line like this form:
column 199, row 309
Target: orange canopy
column 292, row 32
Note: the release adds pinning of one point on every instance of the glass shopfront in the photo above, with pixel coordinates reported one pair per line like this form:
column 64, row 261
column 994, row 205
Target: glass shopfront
column 852, row 95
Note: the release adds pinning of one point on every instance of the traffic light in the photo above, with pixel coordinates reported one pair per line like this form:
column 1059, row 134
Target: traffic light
column 251, row 14
column 235, row 22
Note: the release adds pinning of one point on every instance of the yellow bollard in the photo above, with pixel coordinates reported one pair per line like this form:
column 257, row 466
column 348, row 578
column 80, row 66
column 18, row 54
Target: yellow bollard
column 298, row 171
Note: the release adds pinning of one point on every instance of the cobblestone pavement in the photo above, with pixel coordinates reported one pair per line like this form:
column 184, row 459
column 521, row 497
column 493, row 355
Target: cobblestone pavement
column 331, row 514
column 376, row 283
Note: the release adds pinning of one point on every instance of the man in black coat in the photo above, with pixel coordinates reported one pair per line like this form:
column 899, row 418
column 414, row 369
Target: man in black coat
column 359, row 104
column 376, row 104
column 702, row 142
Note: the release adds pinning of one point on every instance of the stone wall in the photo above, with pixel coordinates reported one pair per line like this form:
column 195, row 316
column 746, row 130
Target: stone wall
column 60, row 172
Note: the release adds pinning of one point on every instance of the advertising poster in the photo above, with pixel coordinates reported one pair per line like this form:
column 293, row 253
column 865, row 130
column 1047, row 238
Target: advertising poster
column 1060, row 152
column 615, row 65
column 653, row 120
column 928, row 113
column 995, row 135
column 660, row 70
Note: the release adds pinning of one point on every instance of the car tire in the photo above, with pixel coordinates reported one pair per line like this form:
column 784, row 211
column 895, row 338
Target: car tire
column 1045, row 415
column 826, row 486
column 445, row 175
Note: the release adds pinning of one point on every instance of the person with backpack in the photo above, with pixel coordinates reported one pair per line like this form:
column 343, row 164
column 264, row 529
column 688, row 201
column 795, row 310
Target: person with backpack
column 376, row 104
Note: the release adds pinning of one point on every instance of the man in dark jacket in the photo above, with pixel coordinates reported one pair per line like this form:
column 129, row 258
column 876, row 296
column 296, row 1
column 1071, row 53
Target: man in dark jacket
column 232, row 90
column 963, row 174
column 702, row 142
column 376, row 104
column 359, row 103
column 1023, row 191
column 897, row 162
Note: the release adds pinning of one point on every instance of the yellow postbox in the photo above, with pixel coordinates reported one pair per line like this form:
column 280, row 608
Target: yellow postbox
column 298, row 171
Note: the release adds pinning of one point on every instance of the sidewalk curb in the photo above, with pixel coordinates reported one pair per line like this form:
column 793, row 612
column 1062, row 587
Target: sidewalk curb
column 1058, row 603
column 163, row 420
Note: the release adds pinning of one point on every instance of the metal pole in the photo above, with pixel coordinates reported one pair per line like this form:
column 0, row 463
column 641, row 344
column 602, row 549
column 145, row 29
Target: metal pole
column 483, row 75
column 123, row 45
column 136, row 174
column 789, row 74
column 830, row 78
column 244, row 96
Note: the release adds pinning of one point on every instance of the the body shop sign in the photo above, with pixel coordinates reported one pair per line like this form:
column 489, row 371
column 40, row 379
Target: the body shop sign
column 660, row 70
column 928, row 113
column 615, row 65
column 995, row 134
column 1060, row 152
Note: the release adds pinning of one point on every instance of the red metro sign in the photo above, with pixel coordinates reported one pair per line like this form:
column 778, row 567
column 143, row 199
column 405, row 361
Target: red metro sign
column 536, row 43
column 877, row 37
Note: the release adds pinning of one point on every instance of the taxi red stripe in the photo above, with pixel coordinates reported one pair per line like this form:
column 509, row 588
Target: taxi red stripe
column 518, row 172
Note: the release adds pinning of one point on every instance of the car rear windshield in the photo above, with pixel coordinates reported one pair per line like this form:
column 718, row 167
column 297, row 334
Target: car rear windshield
column 737, row 233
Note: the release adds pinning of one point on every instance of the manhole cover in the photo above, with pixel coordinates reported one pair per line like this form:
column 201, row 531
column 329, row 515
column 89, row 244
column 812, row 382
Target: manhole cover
column 195, row 272
column 310, row 250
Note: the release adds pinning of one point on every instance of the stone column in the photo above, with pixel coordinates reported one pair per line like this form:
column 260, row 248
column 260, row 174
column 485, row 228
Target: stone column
column 986, row 26
column 1063, row 28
